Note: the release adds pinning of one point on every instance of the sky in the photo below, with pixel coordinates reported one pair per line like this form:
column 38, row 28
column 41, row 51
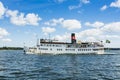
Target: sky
column 22, row 22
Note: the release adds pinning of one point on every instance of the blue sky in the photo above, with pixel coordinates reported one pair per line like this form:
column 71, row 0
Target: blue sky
column 23, row 21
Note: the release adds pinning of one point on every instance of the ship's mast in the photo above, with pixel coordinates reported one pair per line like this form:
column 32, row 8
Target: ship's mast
column 49, row 37
column 38, row 41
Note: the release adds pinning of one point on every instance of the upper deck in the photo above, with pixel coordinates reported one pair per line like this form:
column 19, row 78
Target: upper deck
column 50, row 43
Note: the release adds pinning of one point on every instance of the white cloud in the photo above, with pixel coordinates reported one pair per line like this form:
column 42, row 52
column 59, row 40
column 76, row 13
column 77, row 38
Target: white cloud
column 102, row 37
column 32, row 19
column 15, row 19
column 71, row 24
column 79, row 5
column 96, row 24
column 3, row 32
column 85, row 1
column 2, row 10
column 92, row 39
column 90, row 32
column 74, row 7
column 103, row 8
column 47, row 30
column 112, row 36
column 86, row 35
column 59, row 1
column 64, row 38
column 112, row 27
column 54, row 22
column 79, row 12
column 6, row 40
column 96, row 34
column 115, row 4
column 18, row 18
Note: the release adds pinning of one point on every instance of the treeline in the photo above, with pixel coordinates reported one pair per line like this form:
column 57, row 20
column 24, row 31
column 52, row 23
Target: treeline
column 111, row 48
column 11, row 48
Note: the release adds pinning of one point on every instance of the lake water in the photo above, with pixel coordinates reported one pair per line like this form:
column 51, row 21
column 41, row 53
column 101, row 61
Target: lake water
column 15, row 65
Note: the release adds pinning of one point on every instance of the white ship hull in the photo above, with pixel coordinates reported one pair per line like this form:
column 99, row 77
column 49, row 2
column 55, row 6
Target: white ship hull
column 97, row 50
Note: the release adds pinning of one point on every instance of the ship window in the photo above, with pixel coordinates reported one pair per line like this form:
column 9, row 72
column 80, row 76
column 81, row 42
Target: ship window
column 43, row 48
column 84, row 45
column 57, row 45
column 73, row 49
column 59, row 49
column 79, row 49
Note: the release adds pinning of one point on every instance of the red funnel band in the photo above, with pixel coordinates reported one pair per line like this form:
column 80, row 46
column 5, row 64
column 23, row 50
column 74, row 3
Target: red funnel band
column 73, row 37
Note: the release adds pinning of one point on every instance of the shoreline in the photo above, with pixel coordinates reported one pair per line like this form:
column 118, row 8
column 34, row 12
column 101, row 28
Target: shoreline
column 111, row 48
column 11, row 48
column 20, row 48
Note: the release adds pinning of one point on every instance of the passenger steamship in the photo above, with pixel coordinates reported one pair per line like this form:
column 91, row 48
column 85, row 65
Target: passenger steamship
column 47, row 46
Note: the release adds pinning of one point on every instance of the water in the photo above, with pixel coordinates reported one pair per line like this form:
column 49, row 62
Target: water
column 15, row 65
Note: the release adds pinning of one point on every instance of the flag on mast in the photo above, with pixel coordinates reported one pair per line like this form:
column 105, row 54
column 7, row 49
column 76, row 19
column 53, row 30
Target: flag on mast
column 107, row 41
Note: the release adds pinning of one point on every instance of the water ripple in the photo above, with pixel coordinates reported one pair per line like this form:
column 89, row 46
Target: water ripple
column 15, row 65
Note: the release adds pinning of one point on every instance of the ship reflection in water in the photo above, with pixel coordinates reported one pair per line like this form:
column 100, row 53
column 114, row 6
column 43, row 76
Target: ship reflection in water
column 17, row 65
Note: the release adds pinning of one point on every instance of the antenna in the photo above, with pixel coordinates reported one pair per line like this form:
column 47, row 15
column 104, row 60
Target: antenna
column 37, row 39
column 49, row 37
column 23, row 44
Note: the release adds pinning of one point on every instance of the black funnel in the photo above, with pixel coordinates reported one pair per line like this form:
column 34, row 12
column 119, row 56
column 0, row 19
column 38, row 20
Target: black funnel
column 73, row 39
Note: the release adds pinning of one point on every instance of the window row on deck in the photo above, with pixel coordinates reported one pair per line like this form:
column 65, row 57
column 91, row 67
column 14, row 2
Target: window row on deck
column 67, row 45
column 66, row 49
